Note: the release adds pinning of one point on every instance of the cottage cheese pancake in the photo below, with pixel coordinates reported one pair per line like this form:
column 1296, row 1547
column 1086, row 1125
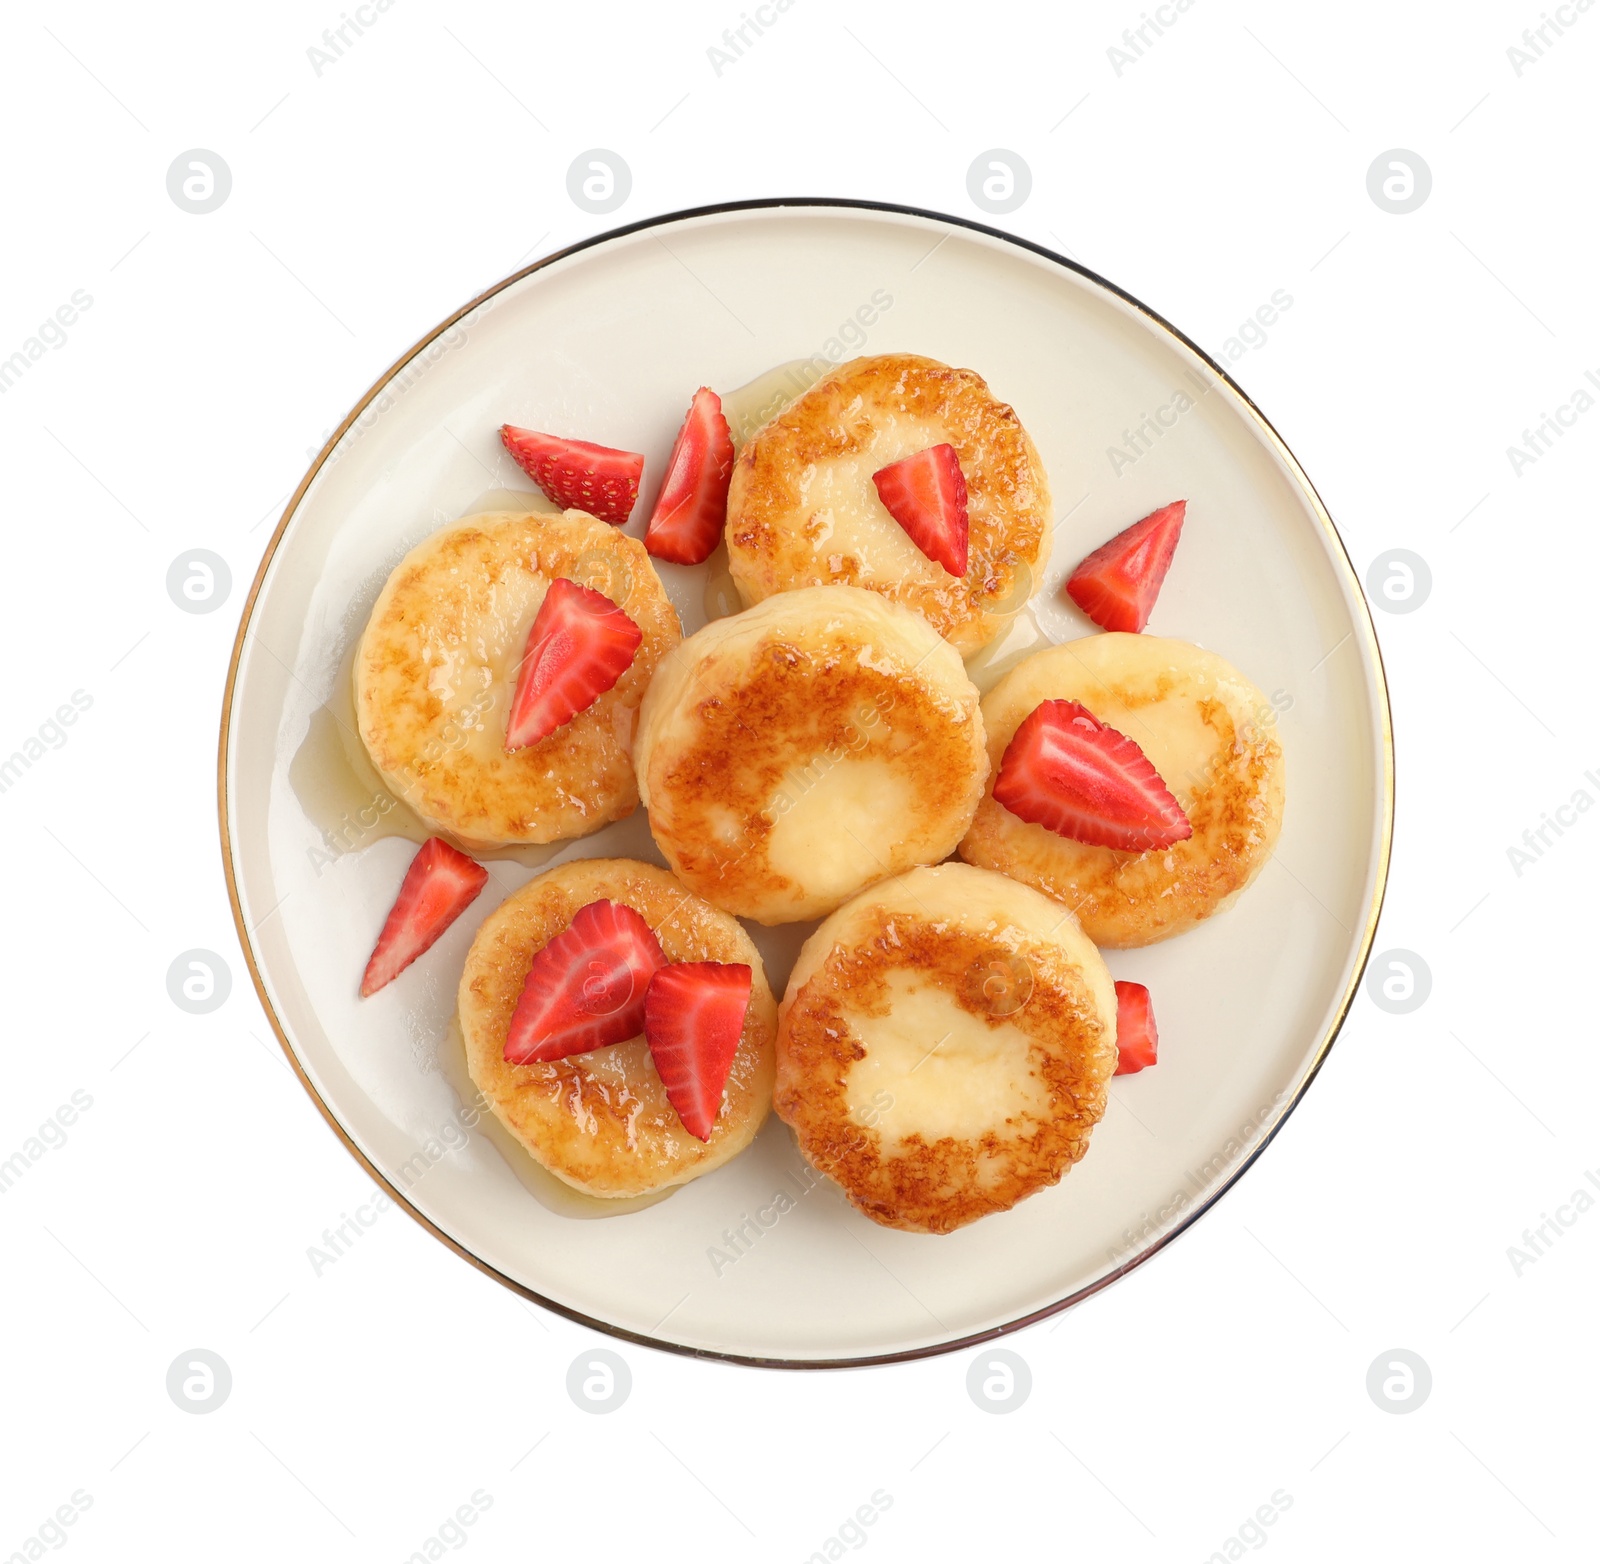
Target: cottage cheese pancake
column 601, row 1120
column 437, row 667
column 803, row 510
column 793, row 753
column 1208, row 731
column 944, row 1046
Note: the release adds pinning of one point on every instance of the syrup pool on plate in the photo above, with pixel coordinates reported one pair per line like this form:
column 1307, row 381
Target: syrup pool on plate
column 992, row 661
column 551, row 1192
column 721, row 596
column 749, row 406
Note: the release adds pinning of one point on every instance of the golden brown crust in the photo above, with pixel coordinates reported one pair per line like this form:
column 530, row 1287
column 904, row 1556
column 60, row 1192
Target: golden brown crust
column 437, row 665
column 601, row 1120
column 1231, row 787
column 864, row 415
column 770, row 710
column 1044, row 990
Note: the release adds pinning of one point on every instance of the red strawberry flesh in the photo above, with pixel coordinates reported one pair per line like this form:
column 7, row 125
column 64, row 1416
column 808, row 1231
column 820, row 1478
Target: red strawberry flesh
column 927, row 495
column 577, row 475
column 693, row 1020
column 586, row 988
column 692, row 508
column 1117, row 585
column 1065, row 770
column 579, row 645
column 439, row 886
column 1136, row 1029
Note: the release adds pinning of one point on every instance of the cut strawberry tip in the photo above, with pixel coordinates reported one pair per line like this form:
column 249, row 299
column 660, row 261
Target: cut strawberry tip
column 1136, row 1029
column 692, row 507
column 586, row 988
column 927, row 494
column 1117, row 585
column 693, row 1020
column 439, row 886
column 577, row 475
column 579, row 645
column 1067, row 771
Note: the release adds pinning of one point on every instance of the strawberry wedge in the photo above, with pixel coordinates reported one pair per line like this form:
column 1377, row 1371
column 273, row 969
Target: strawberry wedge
column 1065, row 770
column 580, row 644
column 1136, row 1029
column 693, row 1019
column 576, row 474
column 692, row 507
column 439, row 886
column 927, row 495
column 1116, row 586
column 586, row 988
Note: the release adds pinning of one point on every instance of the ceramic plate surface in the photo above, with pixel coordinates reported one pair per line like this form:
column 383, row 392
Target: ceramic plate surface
column 760, row 1260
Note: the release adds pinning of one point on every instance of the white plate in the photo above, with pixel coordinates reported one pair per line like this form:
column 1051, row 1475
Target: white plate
column 607, row 341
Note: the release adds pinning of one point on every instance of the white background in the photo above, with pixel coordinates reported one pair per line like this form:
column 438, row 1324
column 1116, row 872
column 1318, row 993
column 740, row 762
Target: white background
column 1228, row 161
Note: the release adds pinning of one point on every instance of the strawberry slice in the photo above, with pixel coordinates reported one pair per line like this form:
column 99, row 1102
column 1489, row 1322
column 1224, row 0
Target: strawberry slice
column 692, row 507
column 1116, row 586
column 439, row 886
column 927, row 495
column 1065, row 770
column 1136, row 1029
column 576, row 474
column 586, row 988
column 580, row 644
column 693, row 1019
